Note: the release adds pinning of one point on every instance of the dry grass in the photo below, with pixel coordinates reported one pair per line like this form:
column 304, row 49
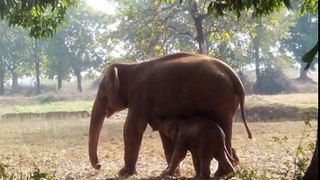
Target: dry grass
column 301, row 100
column 59, row 147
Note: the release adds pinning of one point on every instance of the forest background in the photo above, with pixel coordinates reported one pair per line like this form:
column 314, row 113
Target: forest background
column 38, row 74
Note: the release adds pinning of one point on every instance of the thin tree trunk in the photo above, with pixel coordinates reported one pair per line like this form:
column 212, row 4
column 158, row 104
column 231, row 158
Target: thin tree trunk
column 37, row 66
column 2, row 91
column 79, row 79
column 14, row 81
column 2, row 72
column 256, row 46
column 303, row 74
column 37, row 63
column 59, row 82
column 198, row 22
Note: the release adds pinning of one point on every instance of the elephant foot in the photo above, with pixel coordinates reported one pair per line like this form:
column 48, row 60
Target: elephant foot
column 235, row 158
column 126, row 172
column 220, row 172
column 177, row 172
column 167, row 172
column 168, row 177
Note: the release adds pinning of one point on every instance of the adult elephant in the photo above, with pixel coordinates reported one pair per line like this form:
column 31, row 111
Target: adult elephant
column 174, row 86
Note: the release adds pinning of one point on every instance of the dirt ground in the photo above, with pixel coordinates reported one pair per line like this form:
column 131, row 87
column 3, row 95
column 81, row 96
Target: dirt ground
column 59, row 147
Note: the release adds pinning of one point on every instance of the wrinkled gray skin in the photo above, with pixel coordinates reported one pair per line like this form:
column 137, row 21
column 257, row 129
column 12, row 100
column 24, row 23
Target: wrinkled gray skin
column 178, row 85
column 204, row 139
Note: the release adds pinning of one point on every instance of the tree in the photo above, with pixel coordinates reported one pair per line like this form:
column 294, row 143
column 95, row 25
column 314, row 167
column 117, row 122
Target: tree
column 15, row 53
column 147, row 30
column 303, row 37
column 75, row 47
column 41, row 17
column 38, row 50
column 58, row 59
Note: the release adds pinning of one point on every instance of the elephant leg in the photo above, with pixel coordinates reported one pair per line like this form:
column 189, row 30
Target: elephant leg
column 168, row 146
column 224, row 163
column 179, row 154
column 235, row 157
column 205, row 168
column 132, row 135
column 226, row 126
column 196, row 163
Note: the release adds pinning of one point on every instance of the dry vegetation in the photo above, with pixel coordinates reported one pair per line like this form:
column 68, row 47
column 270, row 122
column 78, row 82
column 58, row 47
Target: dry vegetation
column 59, row 146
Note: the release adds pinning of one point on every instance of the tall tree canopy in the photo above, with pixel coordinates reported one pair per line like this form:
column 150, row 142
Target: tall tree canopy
column 41, row 17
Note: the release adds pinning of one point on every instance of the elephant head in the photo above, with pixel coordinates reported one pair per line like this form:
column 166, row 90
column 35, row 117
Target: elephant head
column 108, row 100
column 169, row 127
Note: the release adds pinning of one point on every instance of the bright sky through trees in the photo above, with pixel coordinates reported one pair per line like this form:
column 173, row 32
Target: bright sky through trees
column 101, row 5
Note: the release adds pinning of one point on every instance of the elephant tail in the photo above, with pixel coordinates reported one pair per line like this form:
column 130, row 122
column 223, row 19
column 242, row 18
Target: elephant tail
column 243, row 113
column 239, row 90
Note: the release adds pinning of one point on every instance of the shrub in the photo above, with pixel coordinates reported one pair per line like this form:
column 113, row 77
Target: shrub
column 35, row 175
column 272, row 81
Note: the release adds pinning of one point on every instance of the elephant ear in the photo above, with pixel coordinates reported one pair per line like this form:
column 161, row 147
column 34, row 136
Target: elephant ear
column 114, row 78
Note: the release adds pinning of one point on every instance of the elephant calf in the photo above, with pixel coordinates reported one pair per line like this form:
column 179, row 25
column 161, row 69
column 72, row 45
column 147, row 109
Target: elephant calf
column 204, row 139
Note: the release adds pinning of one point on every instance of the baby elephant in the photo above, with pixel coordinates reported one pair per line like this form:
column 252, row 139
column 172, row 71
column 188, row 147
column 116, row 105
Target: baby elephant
column 204, row 139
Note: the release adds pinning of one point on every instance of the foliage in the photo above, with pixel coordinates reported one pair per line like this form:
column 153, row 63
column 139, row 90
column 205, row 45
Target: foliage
column 245, row 173
column 41, row 17
column 302, row 39
column 14, row 51
column 301, row 160
column 3, row 174
column 309, row 6
column 148, row 29
column 220, row 7
column 75, row 47
column 35, row 175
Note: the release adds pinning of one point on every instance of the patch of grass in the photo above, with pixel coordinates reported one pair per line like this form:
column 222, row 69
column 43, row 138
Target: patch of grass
column 35, row 175
column 55, row 106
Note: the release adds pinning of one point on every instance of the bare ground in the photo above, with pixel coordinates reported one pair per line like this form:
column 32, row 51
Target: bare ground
column 59, row 147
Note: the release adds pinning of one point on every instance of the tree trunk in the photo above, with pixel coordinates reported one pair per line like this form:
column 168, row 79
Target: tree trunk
column 256, row 47
column 303, row 77
column 77, row 73
column 37, row 66
column 2, row 72
column 198, row 19
column 312, row 171
column 59, row 82
column 15, row 85
column 2, row 91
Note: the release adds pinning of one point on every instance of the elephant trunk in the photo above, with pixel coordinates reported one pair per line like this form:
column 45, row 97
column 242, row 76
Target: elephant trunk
column 97, row 117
